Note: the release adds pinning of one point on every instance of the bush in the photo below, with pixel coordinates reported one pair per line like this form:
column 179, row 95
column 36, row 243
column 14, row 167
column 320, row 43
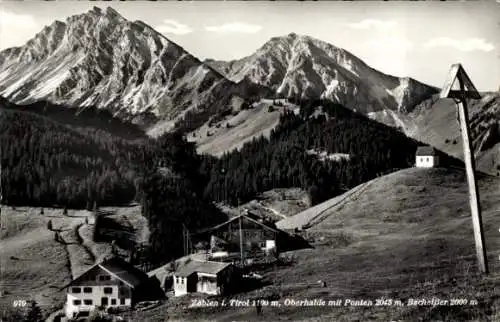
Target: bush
column 34, row 313
column 246, row 106
column 97, row 316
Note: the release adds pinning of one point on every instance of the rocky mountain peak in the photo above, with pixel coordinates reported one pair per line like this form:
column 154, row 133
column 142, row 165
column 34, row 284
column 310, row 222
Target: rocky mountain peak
column 101, row 59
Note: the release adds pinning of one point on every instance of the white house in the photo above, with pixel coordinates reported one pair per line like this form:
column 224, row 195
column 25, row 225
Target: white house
column 426, row 157
column 204, row 277
column 110, row 283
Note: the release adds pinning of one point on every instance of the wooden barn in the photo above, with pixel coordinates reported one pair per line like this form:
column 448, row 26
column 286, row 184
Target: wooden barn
column 244, row 236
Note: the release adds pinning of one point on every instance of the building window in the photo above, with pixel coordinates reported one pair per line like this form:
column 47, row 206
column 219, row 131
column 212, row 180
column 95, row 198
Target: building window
column 87, row 290
column 76, row 290
column 77, row 302
column 113, row 301
column 102, row 278
column 427, row 159
column 108, row 278
column 122, row 301
column 108, row 290
column 87, row 302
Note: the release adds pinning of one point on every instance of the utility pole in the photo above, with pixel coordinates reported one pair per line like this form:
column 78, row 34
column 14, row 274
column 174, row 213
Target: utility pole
column 241, row 245
column 184, row 240
column 467, row 90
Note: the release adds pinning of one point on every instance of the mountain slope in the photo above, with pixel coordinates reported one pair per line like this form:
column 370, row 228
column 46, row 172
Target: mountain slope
column 294, row 155
column 47, row 163
column 408, row 236
column 233, row 131
column 90, row 118
column 303, row 67
column 101, row 59
column 434, row 122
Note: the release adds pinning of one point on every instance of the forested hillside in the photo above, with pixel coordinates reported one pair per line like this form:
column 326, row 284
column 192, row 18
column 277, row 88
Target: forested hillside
column 80, row 118
column 285, row 159
column 46, row 163
column 172, row 197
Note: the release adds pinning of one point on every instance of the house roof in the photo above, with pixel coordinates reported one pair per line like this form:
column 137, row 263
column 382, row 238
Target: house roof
column 124, row 271
column 195, row 266
column 120, row 269
column 263, row 225
column 426, row 150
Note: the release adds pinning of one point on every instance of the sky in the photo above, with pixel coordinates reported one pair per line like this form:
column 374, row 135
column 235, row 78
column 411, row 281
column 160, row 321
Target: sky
column 416, row 39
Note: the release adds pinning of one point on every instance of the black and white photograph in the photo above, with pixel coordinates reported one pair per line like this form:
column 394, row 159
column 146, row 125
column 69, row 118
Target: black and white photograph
column 249, row 161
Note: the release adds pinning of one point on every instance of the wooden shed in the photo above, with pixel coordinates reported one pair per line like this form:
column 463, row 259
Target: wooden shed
column 215, row 278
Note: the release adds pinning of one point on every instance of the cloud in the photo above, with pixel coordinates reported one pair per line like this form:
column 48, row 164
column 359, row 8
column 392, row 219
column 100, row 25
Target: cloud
column 237, row 27
column 13, row 20
column 469, row 44
column 173, row 27
column 373, row 23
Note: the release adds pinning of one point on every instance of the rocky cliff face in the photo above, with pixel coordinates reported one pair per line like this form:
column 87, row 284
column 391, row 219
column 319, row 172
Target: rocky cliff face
column 301, row 66
column 101, row 59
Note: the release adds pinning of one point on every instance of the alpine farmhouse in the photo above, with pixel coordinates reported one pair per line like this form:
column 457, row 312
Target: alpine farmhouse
column 110, row 283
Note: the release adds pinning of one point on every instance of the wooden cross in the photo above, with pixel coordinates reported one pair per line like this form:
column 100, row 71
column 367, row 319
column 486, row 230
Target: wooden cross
column 468, row 91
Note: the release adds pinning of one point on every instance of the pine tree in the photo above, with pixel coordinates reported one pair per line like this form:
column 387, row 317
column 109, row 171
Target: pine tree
column 34, row 313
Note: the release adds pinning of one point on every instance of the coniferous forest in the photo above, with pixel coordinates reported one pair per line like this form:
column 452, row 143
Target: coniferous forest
column 283, row 159
column 172, row 198
column 45, row 163
column 48, row 163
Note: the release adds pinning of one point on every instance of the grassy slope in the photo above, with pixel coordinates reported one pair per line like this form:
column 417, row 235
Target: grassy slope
column 244, row 126
column 440, row 123
column 436, row 123
column 409, row 235
column 39, row 266
column 33, row 265
column 274, row 204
